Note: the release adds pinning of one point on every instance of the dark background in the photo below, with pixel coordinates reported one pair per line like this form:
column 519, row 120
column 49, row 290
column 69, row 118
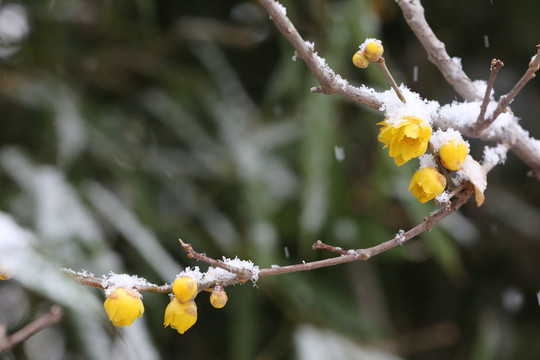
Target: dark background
column 128, row 123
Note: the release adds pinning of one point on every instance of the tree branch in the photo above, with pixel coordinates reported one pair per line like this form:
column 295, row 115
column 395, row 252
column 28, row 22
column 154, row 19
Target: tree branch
column 330, row 82
column 52, row 317
column 413, row 12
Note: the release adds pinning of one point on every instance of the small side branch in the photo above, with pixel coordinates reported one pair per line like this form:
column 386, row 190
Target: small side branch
column 482, row 123
column 52, row 317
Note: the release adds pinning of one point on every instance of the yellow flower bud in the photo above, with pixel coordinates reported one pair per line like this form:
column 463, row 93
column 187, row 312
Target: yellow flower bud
column 180, row 315
column 453, row 154
column 123, row 306
column 427, row 183
column 373, row 51
column 360, row 60
column 218, row 298
column 184, row 288
column 407, row 138
column 5, row 272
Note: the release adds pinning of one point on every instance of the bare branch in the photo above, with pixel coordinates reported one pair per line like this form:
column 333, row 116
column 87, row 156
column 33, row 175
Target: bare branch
column 52, row 317
column 329, row 81
column 481, row 122
column 413, row 12
column 505, row 100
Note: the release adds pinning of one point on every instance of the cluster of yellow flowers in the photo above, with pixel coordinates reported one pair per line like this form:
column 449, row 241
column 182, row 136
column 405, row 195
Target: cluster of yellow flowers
column 123, row 305
column 408, row 138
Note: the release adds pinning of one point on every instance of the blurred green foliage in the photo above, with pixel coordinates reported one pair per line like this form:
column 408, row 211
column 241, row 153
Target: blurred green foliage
column 126, row 125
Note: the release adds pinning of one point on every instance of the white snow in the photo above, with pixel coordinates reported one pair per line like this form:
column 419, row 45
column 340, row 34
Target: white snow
column 464, row 115
column 400, row 236
column 443, row 137
column 443, row 198
column 495, row 155
column 394, row 109
column 362, row 46
column 341, row 81
column 113, row 281
column 219, row 275
column 281, row 8
column 427, row 160
column 194, row 273
column 474, row 173
column 456, row 60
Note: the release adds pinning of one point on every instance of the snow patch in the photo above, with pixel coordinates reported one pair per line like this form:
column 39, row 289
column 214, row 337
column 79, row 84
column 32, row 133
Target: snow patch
column 125, row 281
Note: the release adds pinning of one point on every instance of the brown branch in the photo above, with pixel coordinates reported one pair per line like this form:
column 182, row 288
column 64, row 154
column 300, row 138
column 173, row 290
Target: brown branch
column 413, row 12
column 52, row 317
column 505, row 100
column 329, row 81
column 243, row 274
column 481, row 122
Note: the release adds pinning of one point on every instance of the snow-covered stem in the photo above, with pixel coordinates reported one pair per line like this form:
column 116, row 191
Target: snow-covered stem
column 243, row 275
column 346, row 256
column 413, row 12
column 481, row 122
column 324, row 75
column 52, row 317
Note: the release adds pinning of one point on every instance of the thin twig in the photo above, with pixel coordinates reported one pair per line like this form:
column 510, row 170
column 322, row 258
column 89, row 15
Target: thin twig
column 322, row 246
column 52, row 317
column 324, row 75
column 481, row 122
column 382, row 65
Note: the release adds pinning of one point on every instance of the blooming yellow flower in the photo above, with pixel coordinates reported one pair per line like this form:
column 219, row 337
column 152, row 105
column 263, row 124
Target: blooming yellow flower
column 184, row 288
column 5, row 273
column 360, row 60
column 427, row 183
column 218, row 298
column 123, row 306
column 180, row 315
column 373, row 51
column 453, row 154
column 406, row 139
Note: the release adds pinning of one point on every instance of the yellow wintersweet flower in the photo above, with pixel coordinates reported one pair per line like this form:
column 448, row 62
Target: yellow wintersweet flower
column 406, row 139
column 427, row 183
column 5, row 273
column 180, row 315
column 360, row 60
column 123, row 306
column 218, row 298
column 184, row 288
column 453, row 154
column 373, row 51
